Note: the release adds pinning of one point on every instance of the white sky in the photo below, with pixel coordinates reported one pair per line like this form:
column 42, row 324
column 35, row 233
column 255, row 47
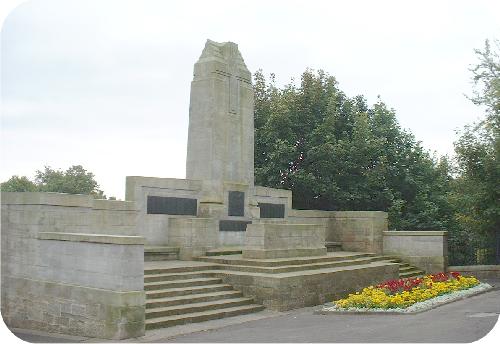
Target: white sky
column 105, row 84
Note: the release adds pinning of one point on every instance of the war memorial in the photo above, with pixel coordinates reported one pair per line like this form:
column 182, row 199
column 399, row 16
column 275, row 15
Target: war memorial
column 178, row 251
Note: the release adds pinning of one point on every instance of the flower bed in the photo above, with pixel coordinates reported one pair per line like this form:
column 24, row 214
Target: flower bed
column 397, row 295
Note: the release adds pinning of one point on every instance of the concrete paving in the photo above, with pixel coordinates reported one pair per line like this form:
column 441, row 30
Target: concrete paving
column 462, row 321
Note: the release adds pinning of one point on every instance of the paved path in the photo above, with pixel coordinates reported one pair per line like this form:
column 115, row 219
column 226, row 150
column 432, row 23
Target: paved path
column 461, row 321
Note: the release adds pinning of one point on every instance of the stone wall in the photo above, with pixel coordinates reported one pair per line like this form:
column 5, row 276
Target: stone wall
column 359, row 231
column 427, row 250
column 154, row 227
column 56, row 212
column 193, row 236
column 296, row 290
column 281, row 240
column 75, row 282
column 274, row 196
column 479, row 271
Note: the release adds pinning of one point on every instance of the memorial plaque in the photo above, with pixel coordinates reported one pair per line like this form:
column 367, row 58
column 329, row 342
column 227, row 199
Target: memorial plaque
column 172, row 205
column 272, row 211
column 233, row 225
column 236, row 203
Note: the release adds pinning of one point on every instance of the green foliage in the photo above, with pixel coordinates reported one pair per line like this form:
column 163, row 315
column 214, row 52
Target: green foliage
column 18, row 184
column 75, row 180
column 338, row 153
column 476, row 190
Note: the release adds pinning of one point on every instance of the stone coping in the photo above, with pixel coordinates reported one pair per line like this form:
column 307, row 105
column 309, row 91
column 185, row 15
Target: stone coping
column 156, row 182
column 264, row 191
column 161, row 249
column 65, row 200
column 94, row 238
column 337, row 214
column 416, row 233
column 47, row 198
column 473, row 268
column 271, row 225
column 104, row 204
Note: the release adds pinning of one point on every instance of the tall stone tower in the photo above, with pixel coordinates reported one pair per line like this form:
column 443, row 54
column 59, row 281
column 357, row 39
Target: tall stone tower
column 221, row 130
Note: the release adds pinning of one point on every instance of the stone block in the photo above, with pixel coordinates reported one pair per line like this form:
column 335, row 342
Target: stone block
column 279, row 240
column 427, row 250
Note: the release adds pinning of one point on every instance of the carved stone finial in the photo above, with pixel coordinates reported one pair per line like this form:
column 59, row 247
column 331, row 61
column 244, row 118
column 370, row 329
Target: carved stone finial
column 226, row 51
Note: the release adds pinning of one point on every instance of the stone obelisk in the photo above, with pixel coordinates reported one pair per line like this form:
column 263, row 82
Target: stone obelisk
column 221, row 130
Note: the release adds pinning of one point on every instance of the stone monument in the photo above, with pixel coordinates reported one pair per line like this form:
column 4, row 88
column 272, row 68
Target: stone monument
column 73, row 264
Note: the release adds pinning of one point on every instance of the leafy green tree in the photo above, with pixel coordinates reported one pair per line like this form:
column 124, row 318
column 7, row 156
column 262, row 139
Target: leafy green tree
column 18, row 184
column 476, row 192
column 75, row 180
column 339, row 153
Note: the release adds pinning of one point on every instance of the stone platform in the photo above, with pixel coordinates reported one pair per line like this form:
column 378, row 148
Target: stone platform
column 286, row 283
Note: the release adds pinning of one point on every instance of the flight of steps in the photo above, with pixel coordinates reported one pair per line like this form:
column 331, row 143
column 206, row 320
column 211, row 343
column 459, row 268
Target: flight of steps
column 235, row 262
column 188, row 294
column 405, row 270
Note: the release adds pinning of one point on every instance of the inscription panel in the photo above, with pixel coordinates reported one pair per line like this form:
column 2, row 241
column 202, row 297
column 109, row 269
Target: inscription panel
column 172, row 205
column 236, row 203
column 272, row 211
column 233, row 225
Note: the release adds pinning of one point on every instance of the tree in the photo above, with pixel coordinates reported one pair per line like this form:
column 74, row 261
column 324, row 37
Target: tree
column 476, row 191
column 338, row 153
column 18, row 184
column 75, row 180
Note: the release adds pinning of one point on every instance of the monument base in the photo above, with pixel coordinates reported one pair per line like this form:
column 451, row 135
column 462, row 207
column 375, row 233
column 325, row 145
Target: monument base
column 283, row 240
column 284, row 253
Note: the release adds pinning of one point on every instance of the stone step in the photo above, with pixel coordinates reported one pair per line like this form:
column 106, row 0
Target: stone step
column 406, row 268
column 173, row 292
column 182, row 283
column 197, row 307
column 333, row 246
column 201, row 316
column 224, row 251
column 176, row 276
column 238, row 260
column 160, row 253
column 186, row 299
column 295, row 268
column 412, row 273
column 393, row 258
column 179, row 269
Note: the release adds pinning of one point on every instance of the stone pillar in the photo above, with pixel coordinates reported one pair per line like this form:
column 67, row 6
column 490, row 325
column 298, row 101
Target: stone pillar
column 221, row 129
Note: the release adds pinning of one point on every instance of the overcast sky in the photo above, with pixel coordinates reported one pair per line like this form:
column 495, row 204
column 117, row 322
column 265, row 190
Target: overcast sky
column 105, row 84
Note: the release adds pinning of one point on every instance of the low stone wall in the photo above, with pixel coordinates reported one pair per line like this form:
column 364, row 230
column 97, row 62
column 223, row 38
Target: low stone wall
column 193, row 236
column 274, row 196
column 57, row 212
column 298, row 290
column 80, row 283
column 479, row 271
column 316, row 217
column 359, row 231
column 279, row 240
column 77, row 284
column 427, row 250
